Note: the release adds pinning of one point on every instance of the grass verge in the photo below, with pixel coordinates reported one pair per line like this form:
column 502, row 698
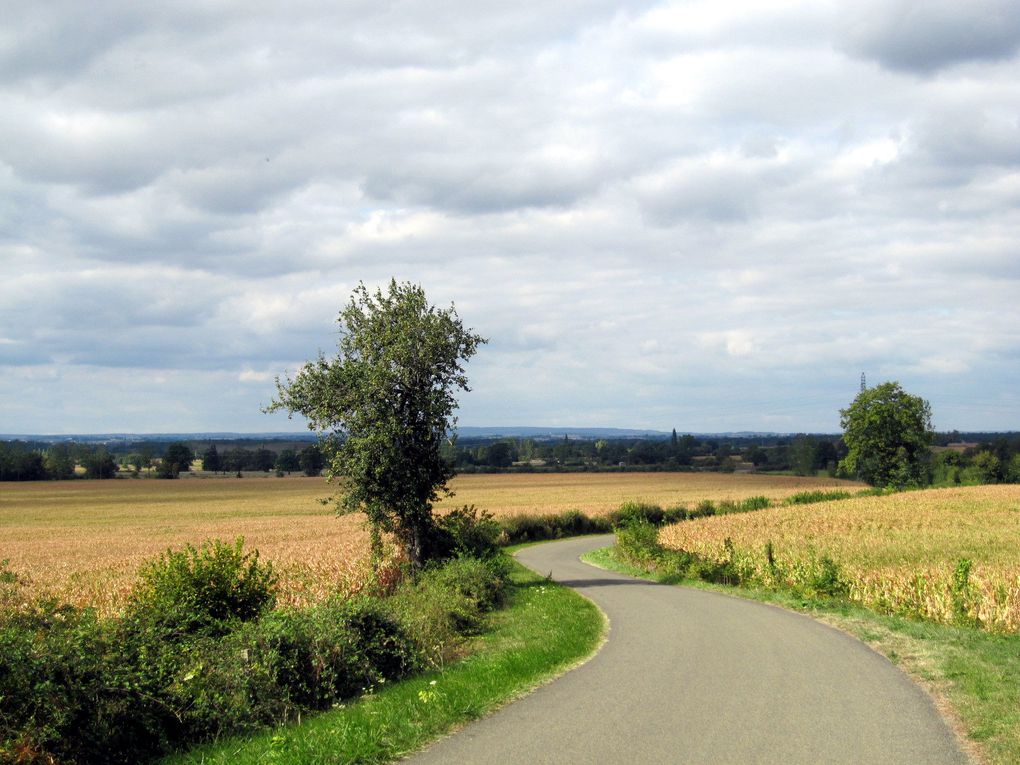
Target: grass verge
column 973, row 676
column 545, row 630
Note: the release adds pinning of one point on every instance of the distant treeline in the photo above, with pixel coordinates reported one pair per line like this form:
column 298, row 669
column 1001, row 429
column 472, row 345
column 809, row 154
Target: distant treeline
column 957, row 458
column 802, row 454
column 36, row 461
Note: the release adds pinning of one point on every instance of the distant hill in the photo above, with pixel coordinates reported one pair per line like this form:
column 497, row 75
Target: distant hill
column 520, row 431
column 466, row 432
column 107, row 438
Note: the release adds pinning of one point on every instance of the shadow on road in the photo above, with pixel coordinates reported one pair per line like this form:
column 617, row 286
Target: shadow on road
column 582, row 583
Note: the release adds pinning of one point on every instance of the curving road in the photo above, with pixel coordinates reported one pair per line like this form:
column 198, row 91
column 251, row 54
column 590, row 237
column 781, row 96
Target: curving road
column 689, row 676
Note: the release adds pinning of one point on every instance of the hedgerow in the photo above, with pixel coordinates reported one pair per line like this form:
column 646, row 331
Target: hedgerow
column 199, row 653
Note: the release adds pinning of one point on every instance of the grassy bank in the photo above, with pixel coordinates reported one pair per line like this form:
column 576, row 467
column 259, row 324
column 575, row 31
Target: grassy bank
column 545, row 630
column 973, row 675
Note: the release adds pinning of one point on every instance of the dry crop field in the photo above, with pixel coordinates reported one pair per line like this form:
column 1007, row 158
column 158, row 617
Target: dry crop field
column 84, row 540
column 899, row 553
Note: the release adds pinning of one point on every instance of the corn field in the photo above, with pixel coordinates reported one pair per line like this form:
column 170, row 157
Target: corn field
column 948, row 555
column 83, row 541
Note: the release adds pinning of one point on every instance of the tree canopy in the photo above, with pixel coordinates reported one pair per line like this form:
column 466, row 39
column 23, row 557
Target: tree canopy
column 384, row 405
column 888, row 434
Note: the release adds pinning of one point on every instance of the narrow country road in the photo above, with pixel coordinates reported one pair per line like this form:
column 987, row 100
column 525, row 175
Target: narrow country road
column 688, row 676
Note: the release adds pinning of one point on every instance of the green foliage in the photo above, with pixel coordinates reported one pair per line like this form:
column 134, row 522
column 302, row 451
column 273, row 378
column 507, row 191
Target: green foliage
column 729, row 506
column 528, row 527
column 311, row 460
column 100, row 464
column 446, row 601
column 198, row 656
column 643, row 511
column 387, row 401
column 6, row 575
column 638, row 541
column 818, row 495
column 21, row 462
column 546, row 629
column 829, row 581
column 887, row 433
column 176, row 460
column 202, row 590
column 211, row 461
column 963, row 592
column 59, row 461
column 287, row 461
column 467, row 532
column 703, row 509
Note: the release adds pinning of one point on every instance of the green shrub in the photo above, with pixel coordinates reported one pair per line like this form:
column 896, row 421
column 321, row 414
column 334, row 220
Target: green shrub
column 529, row 527
column 466, row 531
column 447, row 601
column 703, row 509
column 76, row 688
column 963, row 592
column 829, row 579
column 817, row 495
column 66, row 696
column 638, row 540
column 630, row 512
column 193, row 591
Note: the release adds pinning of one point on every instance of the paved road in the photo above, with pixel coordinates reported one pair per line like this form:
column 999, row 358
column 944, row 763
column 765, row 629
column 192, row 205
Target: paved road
column 689, row 676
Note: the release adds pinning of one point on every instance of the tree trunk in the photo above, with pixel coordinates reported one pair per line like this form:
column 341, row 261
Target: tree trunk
column 415, row 553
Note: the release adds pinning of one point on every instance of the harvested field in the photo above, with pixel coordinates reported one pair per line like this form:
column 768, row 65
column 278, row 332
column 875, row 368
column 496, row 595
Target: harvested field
column 84, row 540
column 905, row 553
column 596, row 493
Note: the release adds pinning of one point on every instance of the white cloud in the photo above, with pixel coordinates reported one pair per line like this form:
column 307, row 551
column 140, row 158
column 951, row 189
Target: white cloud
column 649, row 209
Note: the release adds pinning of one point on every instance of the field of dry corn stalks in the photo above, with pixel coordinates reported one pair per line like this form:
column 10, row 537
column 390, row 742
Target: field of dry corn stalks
column 83, row 541
column 948, row 555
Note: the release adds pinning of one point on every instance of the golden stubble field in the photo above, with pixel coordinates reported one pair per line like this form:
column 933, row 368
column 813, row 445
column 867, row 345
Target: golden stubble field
column 84, row 540
column 899, row 553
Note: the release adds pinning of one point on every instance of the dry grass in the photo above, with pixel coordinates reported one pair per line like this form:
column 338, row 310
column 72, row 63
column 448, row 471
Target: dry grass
column 898, row 553
column 84, row 540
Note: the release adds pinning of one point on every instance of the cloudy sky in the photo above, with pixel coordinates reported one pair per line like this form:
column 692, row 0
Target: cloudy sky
column 702, row 215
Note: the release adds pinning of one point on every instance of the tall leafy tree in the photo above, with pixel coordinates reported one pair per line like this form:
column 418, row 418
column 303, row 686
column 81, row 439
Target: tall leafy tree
column 888, row 434
column 311, row 460
column 383, row 407
column 211, row 459
column 177, row 459
column 60, row 461
column 100, row 464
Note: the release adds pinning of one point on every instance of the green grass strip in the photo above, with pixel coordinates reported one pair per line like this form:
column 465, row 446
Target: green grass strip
column 545, row 630
column 973, row 675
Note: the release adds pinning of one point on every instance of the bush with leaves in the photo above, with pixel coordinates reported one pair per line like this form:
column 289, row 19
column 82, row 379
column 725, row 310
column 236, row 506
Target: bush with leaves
column 204, row 589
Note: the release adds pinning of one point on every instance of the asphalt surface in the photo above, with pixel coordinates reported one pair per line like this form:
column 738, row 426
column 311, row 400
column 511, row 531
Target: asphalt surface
column 688, row 676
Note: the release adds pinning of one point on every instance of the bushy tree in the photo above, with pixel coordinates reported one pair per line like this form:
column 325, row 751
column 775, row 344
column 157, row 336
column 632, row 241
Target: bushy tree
column 311, row 460
column 386, row 404
column 287, row 461
column 176, row 460
column 100, row 464
column 59, row 461
column 888, row 435
column 211, row 461
column 20, row 462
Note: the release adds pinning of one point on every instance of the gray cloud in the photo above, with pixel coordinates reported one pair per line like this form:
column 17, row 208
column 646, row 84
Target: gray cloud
column 662, row 215
column 924, row 37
